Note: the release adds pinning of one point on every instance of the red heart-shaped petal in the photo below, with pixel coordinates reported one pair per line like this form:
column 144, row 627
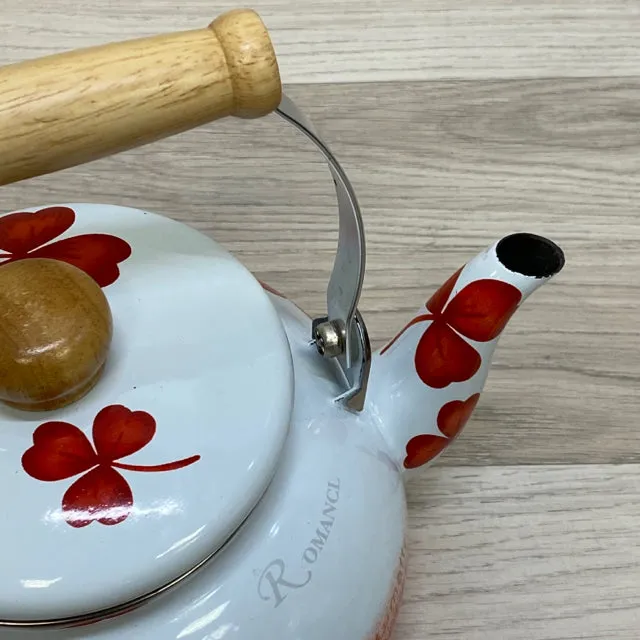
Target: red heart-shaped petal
column 421, row 449
column 119, row 432
column 97, row 254
column 443, row 357
column 437, row 301
column 23, row 232
column 481, row 310
column 270, row 289
column 59, row 451
column 102, row 495
column 454, row 415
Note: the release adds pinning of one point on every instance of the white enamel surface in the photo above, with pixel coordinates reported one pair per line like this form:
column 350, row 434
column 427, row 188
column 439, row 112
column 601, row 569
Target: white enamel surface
column 198, row 345
column 404, row 405
column 334, row 469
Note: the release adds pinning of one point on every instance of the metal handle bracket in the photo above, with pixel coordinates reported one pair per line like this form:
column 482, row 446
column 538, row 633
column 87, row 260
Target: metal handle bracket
column 341, row 335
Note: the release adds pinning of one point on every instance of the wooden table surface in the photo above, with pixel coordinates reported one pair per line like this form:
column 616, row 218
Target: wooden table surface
column 458, row 122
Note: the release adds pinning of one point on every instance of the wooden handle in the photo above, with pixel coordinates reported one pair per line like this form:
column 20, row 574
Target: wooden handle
column 75, row 107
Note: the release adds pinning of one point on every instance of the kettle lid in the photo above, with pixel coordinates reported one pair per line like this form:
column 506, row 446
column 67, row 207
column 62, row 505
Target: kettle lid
column 112, row 498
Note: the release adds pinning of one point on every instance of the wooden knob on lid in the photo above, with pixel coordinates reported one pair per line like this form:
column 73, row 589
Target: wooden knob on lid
column 55, row 333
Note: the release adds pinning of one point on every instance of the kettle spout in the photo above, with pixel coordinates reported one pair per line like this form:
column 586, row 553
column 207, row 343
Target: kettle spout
column 426, row 382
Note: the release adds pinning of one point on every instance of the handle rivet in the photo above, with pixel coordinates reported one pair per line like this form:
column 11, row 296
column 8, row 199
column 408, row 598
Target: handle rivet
column 329, row 339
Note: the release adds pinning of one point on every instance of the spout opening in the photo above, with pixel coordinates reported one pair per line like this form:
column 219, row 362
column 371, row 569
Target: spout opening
column 530, row 255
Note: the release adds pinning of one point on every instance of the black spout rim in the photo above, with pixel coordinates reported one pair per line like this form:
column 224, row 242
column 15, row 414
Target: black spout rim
column 530, row 255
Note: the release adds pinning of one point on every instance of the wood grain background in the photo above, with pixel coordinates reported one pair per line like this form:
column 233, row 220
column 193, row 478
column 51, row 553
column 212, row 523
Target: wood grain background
column 458, row 122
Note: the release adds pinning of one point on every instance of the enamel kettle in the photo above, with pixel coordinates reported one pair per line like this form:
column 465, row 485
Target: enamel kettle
column 184, row 452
